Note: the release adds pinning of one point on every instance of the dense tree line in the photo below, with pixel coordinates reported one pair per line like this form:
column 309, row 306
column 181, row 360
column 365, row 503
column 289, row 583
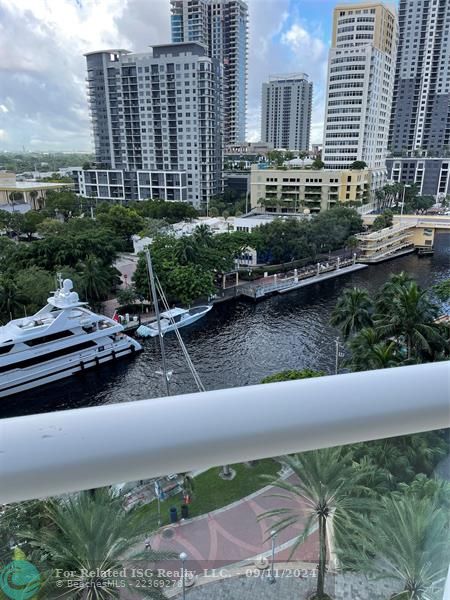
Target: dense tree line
column 19, row 162
column 63, row 238
column 285, row 240
column 187, row 267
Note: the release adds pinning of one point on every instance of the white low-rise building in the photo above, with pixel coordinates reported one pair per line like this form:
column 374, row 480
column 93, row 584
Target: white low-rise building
column 216, row 224
column 22, row 196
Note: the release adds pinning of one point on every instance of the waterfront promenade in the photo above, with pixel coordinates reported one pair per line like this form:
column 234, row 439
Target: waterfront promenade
column 226, row 549
column 234, row 535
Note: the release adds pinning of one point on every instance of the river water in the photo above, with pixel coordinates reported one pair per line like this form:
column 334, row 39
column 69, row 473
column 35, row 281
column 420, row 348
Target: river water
column 237, row 343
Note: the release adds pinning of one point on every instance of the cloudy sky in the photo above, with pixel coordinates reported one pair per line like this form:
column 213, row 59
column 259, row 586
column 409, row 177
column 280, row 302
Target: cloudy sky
column 42, row 69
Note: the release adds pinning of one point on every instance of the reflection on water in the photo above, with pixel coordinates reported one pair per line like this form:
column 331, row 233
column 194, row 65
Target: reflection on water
column 235, row 344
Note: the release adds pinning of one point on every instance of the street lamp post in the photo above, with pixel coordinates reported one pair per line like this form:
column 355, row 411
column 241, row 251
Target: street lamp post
column 273, row 535
column 339, row 354
column 183, row 557
column 336, row 366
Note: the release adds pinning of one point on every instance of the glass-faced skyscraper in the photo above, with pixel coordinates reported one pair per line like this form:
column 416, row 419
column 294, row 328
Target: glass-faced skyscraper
column 221, row 26
column 421, row 106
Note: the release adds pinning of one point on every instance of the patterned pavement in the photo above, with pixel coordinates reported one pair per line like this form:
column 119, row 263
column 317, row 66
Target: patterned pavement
column 234, row 534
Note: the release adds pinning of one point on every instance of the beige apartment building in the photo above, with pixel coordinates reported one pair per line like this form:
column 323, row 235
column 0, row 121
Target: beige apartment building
column 296, row 190
column 360, row 84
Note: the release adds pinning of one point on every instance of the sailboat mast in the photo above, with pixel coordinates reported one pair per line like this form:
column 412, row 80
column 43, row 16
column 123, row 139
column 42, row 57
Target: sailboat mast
column 158, row 318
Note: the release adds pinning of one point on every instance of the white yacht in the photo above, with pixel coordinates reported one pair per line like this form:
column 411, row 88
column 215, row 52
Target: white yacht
column 61, row 339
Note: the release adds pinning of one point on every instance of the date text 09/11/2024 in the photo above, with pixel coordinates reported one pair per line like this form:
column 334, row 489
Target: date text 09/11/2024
column 220, row 573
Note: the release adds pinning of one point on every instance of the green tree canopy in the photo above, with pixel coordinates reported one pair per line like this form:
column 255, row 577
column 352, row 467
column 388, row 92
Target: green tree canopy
column 31, row 222
column 276, row 157
column 318, row 164
column 442, row 290
column 358, row 164
column 383, row 221
column 409, row 317
column 34, row 286
column 187, row 266
column 64, row 203
column 123, row 222
column 398, row 326
column 96, row 279
column 48, row 227
column 172, row 212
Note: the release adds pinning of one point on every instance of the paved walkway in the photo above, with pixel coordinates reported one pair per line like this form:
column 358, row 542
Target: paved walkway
column 234, row 534
column 126, row 264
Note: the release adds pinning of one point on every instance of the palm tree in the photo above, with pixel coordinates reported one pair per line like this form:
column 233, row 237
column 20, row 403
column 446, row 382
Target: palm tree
column 383, row 356
column 352, row 311
column 389, row 290
column 90, row 534
column 408, row 542
column 267, row 202
column 380, row 196
column 15, row 197
column 369, row 351
column 185, row 250
column 33, row 196
column 10, row 298
column 409, row 318
column 328, row 484
column 203, row 235
column 95, row 278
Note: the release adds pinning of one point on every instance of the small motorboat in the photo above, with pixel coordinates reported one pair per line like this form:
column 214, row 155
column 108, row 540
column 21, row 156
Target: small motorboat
column 173, row 319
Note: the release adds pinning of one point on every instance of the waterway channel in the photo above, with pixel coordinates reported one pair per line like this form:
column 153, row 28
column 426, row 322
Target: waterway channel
column 237, row 343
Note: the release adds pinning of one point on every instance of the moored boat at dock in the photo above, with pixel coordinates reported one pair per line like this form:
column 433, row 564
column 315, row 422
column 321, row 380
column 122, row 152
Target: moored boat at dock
column 172, row 319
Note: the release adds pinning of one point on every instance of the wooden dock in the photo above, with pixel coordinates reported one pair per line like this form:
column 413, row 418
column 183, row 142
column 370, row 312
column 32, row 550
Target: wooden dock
column 277, row 285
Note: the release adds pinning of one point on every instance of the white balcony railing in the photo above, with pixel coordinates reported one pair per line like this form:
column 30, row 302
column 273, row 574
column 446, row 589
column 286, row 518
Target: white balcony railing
column 48, row 454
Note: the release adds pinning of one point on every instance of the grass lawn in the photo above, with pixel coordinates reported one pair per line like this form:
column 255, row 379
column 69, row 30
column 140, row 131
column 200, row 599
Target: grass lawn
column 212, row 492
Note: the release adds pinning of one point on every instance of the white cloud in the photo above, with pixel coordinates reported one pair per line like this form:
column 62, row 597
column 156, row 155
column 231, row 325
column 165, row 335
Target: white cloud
column 42, row 68
column 311, row 56
column 309, row 49
column 3, row 134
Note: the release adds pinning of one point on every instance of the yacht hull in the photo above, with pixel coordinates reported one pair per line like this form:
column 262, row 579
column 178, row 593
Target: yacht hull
column 19, row 381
